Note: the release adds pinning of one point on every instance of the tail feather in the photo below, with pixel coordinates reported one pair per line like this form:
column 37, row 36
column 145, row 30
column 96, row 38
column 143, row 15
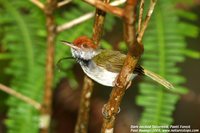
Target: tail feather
column 158, row 79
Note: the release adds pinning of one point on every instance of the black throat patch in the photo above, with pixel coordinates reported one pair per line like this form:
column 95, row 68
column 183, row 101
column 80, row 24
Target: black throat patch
column 83, row 61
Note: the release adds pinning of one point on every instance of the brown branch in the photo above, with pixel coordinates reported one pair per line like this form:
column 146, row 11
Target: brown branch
column 38, row 4
column 146, row 21
column 84, row 108
column 111, row 108
column 83, row 18
column 20, row 96
column 106, row 7
column 50, row 7
column 83, row 115
column 141, row 10
column 99, row 24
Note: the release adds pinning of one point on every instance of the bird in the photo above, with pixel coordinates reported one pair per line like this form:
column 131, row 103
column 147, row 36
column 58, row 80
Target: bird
column 103, row 66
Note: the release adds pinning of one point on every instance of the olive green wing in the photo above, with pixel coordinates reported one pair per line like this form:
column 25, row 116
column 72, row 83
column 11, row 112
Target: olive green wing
column 110, row 60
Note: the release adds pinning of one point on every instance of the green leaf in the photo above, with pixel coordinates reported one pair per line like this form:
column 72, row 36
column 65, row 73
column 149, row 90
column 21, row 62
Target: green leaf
column 192, row 31
column 186, row 14
column 105, row 45
column 192, row 53
column 5, row 56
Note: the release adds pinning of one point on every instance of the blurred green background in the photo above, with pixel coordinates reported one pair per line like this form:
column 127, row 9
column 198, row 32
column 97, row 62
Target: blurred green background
column 172, row 49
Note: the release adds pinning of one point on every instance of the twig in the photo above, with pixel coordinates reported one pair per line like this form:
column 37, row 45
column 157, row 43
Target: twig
column 38, row 4
column 20, row 96
column 117, row 2
column 141, row 9
column 146, row 21
column 50, row 7
column 62, row 3
column 83, row 115
column 111, row 109
column 84, row 108
column 106, row 7
column 83, row 18
column 74, row 22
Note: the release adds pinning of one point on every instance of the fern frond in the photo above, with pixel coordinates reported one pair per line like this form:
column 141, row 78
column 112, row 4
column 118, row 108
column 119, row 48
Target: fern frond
column 164, row 46
column 27, row 65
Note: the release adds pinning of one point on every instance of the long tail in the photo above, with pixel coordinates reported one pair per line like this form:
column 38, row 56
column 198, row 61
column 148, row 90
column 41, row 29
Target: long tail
column 158, row 79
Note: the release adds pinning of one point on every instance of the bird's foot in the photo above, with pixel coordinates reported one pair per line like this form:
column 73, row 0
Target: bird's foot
column 115, row 83
column 128, row 84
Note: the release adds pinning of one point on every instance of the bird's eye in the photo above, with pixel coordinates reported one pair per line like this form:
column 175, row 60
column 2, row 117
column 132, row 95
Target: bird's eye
column 85, row 46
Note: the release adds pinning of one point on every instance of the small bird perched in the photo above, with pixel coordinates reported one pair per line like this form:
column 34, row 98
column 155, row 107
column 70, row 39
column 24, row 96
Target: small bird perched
column 103, row 66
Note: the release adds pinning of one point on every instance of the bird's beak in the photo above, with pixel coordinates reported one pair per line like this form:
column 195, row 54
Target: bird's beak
column 70, row 45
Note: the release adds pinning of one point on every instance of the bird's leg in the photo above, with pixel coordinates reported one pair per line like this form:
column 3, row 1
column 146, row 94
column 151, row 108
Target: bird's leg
column 129, row 84
column 130, row 78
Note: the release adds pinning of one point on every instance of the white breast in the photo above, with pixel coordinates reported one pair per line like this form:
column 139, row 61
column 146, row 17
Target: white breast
column 101, row 75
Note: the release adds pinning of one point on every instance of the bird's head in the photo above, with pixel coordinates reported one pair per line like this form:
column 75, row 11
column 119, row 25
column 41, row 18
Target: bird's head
column 82, row 47
column 84, row 42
